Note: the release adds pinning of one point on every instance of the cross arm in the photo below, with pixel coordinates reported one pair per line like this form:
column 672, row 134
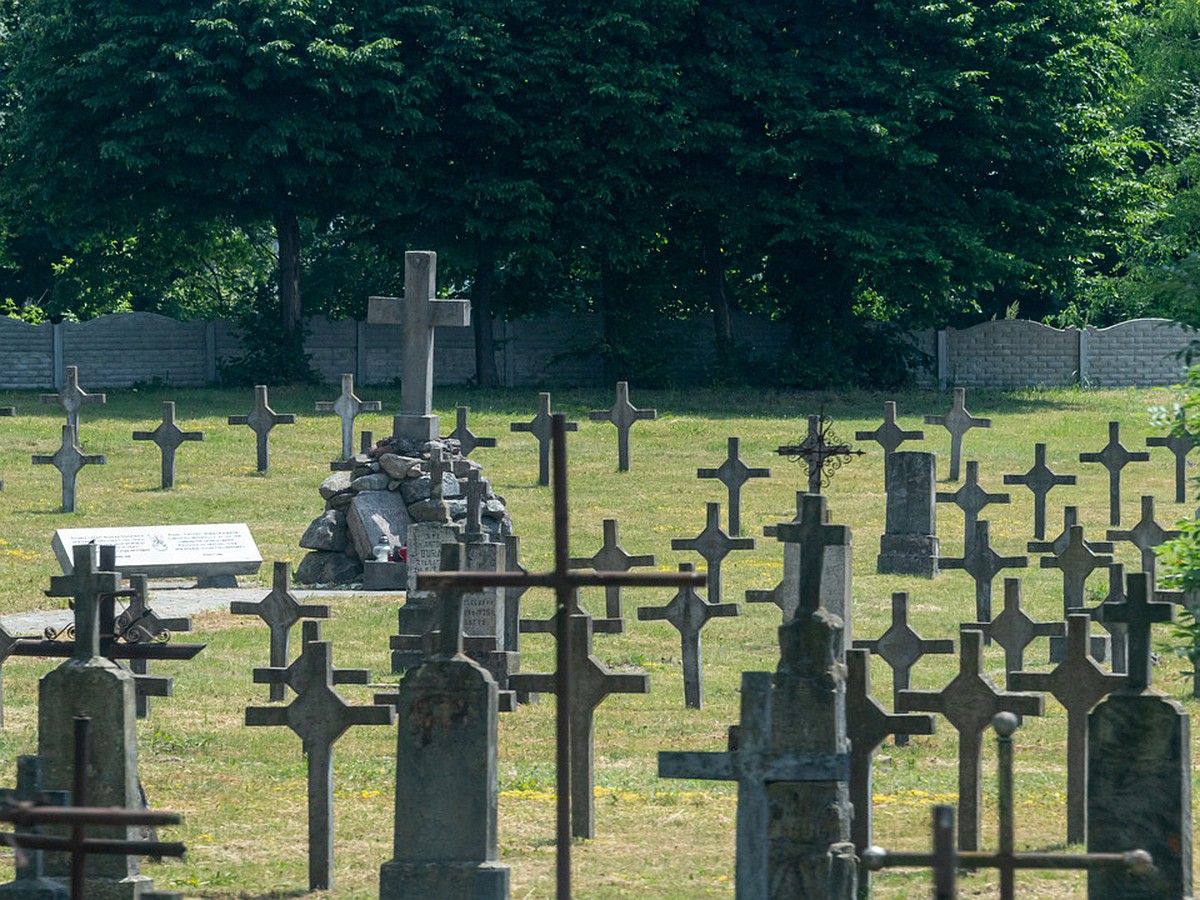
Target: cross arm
column 533, row 682
column 705, row 766
column 239, row 420
column 153, row 685
column 266, row 715
column 351, row 676
column 919, row 701
column 653, row 613
column 808, row 767
column 724, row 609
column 383, row 714
column 627, row 683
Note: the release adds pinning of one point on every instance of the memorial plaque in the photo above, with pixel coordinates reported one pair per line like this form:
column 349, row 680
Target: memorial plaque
column 425, row 549
column 169, row 551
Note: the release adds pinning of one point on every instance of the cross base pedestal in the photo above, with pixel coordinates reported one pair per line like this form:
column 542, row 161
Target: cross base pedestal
column 385, row 576
column 414, row 427
column 462, row 881
column 908, row 554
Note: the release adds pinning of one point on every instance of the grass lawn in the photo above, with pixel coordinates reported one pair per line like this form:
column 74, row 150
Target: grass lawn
column 242, row 790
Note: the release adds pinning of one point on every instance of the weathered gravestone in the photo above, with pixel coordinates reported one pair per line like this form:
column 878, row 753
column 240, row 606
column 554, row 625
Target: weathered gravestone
column 1040, row 480
column 733, row 473
column 889, row 435
column 261, row 420
column 1145, row 535
column 446, row 761
column 347, row 407
column 909, row 545
column 539, row 427
column 69, row 459
column 420, row 312
column 1013, row 630
column 1139, row 767
column 72, row 397
column 611, row 557
column 821, row 452
column 1114, row 457
column 318, row 715
column 622, row 414
column 958, row 422
column 713, row 544
column 168, row 436
column 280, row 610
column 968, row 703
column 971, row 499
column 900, row 647
column 467, row 439
column 1078, row 684
column 30, row 881
column 689, row 613
column 1180, row 443
column 983, row 564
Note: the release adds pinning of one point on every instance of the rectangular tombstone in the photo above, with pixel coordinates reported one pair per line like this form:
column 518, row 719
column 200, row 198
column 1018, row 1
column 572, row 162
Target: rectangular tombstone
column 483, row 610
column 425, row 541
column 909, row 545
column 206, row 552
column 835, row 583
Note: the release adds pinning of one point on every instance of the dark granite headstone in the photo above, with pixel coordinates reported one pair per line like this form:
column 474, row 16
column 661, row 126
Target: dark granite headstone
column 909, row 545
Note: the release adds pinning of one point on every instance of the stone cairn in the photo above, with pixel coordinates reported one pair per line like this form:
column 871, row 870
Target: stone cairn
column 369, row 507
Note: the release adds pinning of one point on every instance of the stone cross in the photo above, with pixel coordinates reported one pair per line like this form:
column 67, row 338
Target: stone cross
column 139, row 624
column 812, row 533
column 713, row 544
column 280, row 610
column 689, row 613
column 1117, row 631
column 889, row 435
column 900, row 647
column 467, row 439
column 513, row 593
column 733, row 473
column 539, row 427
column 1059, row 543
column 1077, row 561
column 31, row 881
column 1145, row 535
column 72, row 397
column 1114, row 457
column 1040, row 480
column 611, row 557
column 816, row 453
column 983, row 564
column 69, row 459
column 1180, row 444
column 958, row 422
column 971, row 499
column 476, row 493
column 622, row 414
column 261, row 420
column 1014, row 630
column 347, row 407
column 168, row 436
column 1078, row 683
column 420, row 312
column 754, row 763
column 867, row 724
column 565, row 583
column 1139, row 767
column 318, row 715
column 968, row 703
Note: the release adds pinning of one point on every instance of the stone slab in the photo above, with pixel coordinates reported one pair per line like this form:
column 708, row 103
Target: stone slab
column 374, row 517
column 169, row 551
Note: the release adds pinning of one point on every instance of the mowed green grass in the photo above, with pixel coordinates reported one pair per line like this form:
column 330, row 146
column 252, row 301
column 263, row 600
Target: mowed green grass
column 242, row 791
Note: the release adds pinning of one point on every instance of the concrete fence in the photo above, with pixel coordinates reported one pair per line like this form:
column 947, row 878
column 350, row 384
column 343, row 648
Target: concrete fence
column 130, row 348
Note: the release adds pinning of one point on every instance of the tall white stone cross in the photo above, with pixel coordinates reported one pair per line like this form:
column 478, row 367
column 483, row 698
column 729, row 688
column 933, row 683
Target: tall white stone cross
column 419, row 312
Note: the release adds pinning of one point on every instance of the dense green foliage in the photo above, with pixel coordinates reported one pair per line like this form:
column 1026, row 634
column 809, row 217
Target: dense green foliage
column 853, row 169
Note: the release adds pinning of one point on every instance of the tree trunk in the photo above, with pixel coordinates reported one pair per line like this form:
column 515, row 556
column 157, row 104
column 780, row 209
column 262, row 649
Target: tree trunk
column 287, row 233
column 718, row 296
column 612, row 307
column 481, row 317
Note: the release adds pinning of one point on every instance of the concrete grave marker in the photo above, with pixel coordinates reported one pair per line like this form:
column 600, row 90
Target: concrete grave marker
column 909, row 544
column 1180, row 446
column 261, row 420
column 713, row 544
column 539, row 427
column 900, row 647
column 971, row 499
column 318, row 716
column 958, row 422
column 1077, row 561
column 688, row 612
column 1145, row 535
column 1040, row 480
column 968, row 703
column 611, row 557
column 1059, row 543
column 467, row 440
column 733, row 473
column 1139, row 767
column 622, row 414
column 1014, row 630
column 1114, row 457
column 889, row 435
column 69, row 459
column 420, row 312
column 983, row 564
column 280, row 610
column 347, row 407
column 1117, row 631
column 168, row 436
column 72, row 397
column 1078, row 684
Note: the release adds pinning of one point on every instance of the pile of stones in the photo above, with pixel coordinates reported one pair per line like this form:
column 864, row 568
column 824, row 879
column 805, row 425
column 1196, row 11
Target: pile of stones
column 370, row 504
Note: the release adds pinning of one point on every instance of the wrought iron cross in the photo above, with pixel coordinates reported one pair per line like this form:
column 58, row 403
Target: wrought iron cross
column 821, row 451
